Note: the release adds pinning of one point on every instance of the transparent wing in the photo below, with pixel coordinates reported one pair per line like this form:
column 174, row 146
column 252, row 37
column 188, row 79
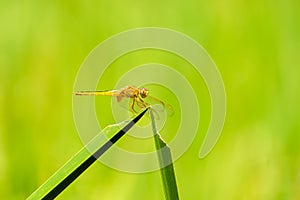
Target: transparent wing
column 153, row 100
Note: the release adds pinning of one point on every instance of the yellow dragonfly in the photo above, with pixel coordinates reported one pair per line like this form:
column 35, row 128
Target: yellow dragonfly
column 136, row 95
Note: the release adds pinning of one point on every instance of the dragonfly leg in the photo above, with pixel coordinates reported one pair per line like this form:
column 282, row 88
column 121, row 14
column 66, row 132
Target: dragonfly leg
column 142, row 103
column 132, row 106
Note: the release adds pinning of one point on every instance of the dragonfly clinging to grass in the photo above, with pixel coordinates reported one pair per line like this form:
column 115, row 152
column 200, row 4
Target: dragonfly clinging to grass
column 136, row 96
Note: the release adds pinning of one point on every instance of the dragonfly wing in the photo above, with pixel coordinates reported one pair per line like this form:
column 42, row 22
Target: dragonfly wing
column 153, row 100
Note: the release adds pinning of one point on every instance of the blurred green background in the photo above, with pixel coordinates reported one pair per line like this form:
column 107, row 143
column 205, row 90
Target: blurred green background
column 255, row 45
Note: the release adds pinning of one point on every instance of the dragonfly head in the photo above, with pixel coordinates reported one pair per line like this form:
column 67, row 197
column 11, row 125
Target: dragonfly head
column 144, row 92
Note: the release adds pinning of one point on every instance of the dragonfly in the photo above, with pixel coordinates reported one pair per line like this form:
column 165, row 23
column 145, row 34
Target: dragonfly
column 136, row 96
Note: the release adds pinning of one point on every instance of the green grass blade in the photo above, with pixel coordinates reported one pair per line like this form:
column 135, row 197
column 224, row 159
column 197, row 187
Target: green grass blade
column 166, row 163
column 82, row 160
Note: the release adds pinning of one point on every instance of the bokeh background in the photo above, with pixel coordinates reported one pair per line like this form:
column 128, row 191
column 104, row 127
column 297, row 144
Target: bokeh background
column 255, row 45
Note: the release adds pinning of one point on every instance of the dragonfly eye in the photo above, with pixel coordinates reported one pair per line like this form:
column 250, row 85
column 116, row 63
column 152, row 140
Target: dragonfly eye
column 144, row 92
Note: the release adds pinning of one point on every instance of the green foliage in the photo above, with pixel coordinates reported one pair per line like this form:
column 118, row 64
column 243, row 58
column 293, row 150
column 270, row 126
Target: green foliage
column 83, row 160
column 166, row 164
column 77, row 160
